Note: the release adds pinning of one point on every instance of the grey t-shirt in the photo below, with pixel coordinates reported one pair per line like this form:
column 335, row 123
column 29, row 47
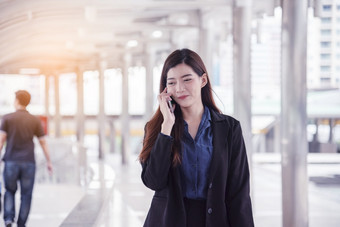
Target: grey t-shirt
column 20, row 127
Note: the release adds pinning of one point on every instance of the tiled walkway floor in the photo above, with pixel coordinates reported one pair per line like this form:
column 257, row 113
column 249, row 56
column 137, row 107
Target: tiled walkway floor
column 324, row 200
column 130, row 200
column 52, row 203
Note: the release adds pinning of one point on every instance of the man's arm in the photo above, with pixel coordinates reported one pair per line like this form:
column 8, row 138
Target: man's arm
column 3, row 137
column 44, row 147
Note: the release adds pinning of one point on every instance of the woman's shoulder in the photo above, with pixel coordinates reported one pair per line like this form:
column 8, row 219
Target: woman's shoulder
column 216, row 116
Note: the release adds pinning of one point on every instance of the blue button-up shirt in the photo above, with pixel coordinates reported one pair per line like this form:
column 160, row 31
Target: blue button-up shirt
column 196, row 157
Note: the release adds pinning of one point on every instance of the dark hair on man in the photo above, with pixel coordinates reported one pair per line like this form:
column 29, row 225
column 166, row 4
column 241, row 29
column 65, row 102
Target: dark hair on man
column 23, row 97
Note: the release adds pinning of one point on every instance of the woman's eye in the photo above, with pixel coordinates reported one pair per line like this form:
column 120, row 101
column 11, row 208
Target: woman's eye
column 171, row 83
column 187, row 80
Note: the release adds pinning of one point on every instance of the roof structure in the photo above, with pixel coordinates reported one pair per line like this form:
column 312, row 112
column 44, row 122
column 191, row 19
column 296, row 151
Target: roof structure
column 58, row 36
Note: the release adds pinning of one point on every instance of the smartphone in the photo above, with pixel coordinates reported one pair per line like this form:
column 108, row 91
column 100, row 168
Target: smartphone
column 170, row 106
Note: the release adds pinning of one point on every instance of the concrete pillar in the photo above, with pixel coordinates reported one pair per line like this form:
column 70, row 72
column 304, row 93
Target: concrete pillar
column 125, row 125
column 112, row 136
column 101, row 112
column 206, row 43
column 293, row 114
column 316, row 134
column 47, row 100
column 331, row 125
column 80, row 117
column 241, row 69
column 57, row 116
column 149, row 64
column 277, row 143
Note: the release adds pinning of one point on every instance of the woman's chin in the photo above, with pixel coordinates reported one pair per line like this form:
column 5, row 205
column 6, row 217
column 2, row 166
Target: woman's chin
column 184, row 105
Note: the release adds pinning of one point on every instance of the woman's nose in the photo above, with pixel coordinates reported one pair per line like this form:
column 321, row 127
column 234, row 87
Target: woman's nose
column 180, row 87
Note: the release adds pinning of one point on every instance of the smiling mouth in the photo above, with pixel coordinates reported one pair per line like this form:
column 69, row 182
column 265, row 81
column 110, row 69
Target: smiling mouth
column 183, row 97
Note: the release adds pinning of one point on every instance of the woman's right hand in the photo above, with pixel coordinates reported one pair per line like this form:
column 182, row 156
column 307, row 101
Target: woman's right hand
column 168, row 116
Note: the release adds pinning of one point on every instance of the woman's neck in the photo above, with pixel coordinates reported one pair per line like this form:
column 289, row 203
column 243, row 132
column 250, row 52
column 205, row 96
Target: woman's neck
column 193, row 113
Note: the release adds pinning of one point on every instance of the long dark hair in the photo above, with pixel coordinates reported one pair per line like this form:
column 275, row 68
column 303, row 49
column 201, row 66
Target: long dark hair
column 153, row 127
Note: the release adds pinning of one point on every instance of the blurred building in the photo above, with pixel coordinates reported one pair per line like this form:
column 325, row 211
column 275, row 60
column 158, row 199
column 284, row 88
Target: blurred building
column 323, row 48
column 324, row 45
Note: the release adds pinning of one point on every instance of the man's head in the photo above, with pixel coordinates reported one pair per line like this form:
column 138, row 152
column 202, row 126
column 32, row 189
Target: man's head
column 23, row 97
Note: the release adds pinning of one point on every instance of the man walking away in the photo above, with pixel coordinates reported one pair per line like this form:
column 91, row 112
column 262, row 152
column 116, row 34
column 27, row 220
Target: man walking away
column 18, row 129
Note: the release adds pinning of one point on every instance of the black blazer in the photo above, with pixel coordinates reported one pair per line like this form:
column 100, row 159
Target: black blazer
column 228, row 200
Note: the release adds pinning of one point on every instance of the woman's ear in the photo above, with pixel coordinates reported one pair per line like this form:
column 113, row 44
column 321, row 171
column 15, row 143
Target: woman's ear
column 204, row 79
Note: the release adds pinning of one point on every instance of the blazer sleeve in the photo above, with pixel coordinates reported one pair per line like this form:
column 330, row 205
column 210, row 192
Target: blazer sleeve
column 238, row 201
column 156, row 169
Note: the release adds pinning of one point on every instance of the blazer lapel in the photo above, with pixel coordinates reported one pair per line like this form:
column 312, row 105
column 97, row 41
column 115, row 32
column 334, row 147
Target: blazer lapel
column 219, row 129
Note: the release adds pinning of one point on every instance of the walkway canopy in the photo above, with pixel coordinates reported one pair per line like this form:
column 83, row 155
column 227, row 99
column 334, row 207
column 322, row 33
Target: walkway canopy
column 58, row 36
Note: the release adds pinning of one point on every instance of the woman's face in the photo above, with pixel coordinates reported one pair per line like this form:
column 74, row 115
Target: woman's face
column 185, row 85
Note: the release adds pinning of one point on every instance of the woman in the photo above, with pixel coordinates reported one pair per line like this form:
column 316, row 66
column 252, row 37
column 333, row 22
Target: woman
column 194, row 158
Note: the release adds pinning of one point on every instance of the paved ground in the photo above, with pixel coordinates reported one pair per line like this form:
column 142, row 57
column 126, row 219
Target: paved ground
column 130, row 200
column 324, row 196
column 52, row 203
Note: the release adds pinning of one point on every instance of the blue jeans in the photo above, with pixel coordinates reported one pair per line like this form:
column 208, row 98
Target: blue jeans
column 24, row 172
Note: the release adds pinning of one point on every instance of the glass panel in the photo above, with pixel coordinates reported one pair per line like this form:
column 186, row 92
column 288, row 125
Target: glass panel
column 326, row 20
column 91, row 92
column 325, row 44
column 325, row 68
column 137, row 90
column 325, row 31
column 325, row 56
column 327, row 7
column 113, row 91
column 68, row 93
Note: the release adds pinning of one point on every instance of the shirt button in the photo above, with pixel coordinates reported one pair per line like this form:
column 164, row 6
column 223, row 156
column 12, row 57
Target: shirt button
column 209, row 211
column 210, row 185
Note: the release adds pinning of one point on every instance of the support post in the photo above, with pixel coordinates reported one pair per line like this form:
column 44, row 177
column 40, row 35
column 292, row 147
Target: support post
column 331, row 125
column 101, row 111
column 241, row 70
column 125, row 125
column 80, row 107
column 47, row 100
column 293, row 114
column 57, row 116
column 150, row 62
